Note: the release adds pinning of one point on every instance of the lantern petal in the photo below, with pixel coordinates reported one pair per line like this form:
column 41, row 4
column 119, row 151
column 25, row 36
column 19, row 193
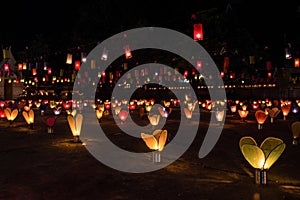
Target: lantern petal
column 7, row 113
column 26, row 117
column 31, row 115
column 254, row 155
column 79, row 119
column 150, row 141
column 269, row 144
column 14, row 114
column 274, row 155
column 188, row 113
column 162, row 140
column 247, row 140
column 71, row 122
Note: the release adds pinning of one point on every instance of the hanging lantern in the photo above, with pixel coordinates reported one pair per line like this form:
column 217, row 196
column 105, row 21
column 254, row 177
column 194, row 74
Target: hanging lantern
column 6, row 54
column 6, row 68
column 77, row 65
column 20, row 67
column 69, row 59
column 268, row 65
column 226, row 64
column 104, row 55
column 251, row 60
column 24, row 66
column 49, row 70
column 33, row 71
column 297, row 62
column 83, row 57
column 127, row 52
column 198, row 32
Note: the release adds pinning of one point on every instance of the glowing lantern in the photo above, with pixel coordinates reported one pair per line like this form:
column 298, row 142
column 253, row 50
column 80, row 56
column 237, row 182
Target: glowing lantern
column 243, row 114
column 164, row 112
column 297, row 62
column 198, row 32
column 57, row 111
column 11, row 115
column 156, row 142
column 6, row 68
column 261, row 117
column 220, row 115
column 77, row 65
column 20, row 67
column 263, row 157
column 33, row 71
column 233, row 108
column 69, row 59
column 127, row 52
column 226, row 64
column 29, row 117
column 123, row 114
column 99, row 114
column 154, row 119
column 2, row 113
column 296, row 132
column 188, row 113
column 75, row 123
column 67, row 105
column 104, row 54
column 285, row 110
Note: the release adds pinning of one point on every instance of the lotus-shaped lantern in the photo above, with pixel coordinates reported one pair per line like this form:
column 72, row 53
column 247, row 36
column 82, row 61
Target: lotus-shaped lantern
column 71, row 112
column 75, row 123
column 123, row 114
column 11, row 114
column 243, row 114
column 99, row 114
column 285, row 110
column 29, row 118
column 273, row 113
column 188, row 113
column 154, row 119
column 155, row 141
column 296, row 132
column 261, row 117
column 219, row 114
column 261, row 157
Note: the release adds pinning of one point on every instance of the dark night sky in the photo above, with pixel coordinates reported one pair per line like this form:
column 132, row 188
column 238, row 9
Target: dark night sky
column 22, row 20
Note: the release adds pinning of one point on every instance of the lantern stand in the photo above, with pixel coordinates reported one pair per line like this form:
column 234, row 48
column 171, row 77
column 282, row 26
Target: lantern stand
column 156, row 156
column 272, row 120
column 295, row 141
column 50, row 129
column 261, row 176
column 31, row 125
column 76, row 139
column 260, row 126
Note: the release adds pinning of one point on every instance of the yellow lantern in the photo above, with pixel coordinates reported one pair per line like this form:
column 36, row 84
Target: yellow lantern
column 11, row 115
column 29, row 118
column 261, row 157
column 296, row 132
column 75, row 125
column 156, row 142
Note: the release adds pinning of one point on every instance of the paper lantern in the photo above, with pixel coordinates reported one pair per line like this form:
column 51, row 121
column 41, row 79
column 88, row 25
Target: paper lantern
column 243, row 114
column 233, row 108
column 261, row 157
column 29, row 117
column 20, row 67
column 6, row 54
column 154, row 119
column 75, row 123
column 219, row 115
column 6, row 68
column 156, row 142
column 50, row 121
column 99, row 114
column 77, row 65
column 273, row 113
column 297, row 62
column 188, row 113
column 123, row 114
column 198, row 32
column 71, row 112
column 226, row 64
column 11, row 115
column 261, row 117
column 69, row 59
column 164, row 112
column 285, row 110
column 296, row 132
column 127, row 52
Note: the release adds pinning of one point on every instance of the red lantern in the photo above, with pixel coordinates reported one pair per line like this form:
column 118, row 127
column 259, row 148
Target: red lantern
column 20, row 66
column 268, row 65
column 127, row 52
column 49, row 70
column 33, row 71
column 77, row 65
column 297, row 62
column 198, row 32
column 199, row 65
column 6, row 68
column 226, row 64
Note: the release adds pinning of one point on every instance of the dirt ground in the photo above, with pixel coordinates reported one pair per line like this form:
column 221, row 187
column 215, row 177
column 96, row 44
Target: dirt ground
column 36, row 165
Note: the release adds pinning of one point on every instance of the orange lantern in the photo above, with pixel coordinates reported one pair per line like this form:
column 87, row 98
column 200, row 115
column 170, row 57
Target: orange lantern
column 69, row 59
column 297, row 62
column 77, row 65
column 127, row 52
column 261, row 117
column 198, row 32
column 20, row 66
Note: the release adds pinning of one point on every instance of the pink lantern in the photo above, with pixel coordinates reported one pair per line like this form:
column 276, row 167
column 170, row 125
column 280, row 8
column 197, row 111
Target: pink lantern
column 123, row 114
column 198, row 32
